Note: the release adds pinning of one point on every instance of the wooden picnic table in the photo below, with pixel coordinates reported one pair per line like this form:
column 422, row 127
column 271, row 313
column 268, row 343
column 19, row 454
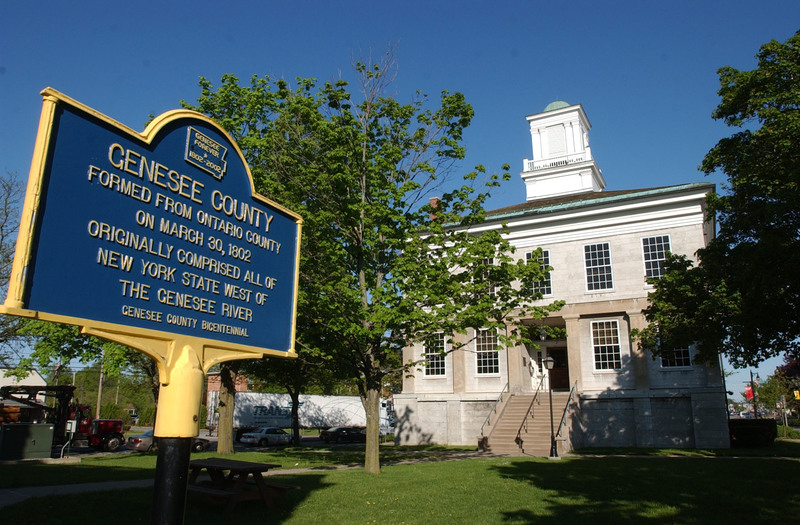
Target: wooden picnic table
column 229, row 481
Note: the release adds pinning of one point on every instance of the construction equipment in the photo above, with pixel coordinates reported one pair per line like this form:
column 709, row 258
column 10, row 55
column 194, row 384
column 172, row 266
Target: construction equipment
column 24, row 404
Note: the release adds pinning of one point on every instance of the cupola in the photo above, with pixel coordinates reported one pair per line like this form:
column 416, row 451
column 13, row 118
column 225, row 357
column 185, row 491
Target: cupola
column 562, row 159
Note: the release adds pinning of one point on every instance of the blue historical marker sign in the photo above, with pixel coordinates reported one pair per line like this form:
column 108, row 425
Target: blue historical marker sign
column 159, row 231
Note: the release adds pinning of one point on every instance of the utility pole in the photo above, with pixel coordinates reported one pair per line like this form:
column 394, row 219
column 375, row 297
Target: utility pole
column 100, row 389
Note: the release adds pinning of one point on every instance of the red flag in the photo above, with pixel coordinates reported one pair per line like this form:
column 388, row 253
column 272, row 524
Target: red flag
column 748, row 392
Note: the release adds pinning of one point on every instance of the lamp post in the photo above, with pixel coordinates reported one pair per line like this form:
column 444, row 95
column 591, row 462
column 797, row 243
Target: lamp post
column 548, row 363
column 753, row 390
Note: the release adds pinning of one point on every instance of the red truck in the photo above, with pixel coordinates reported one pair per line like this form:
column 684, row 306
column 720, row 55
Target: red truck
column 23, row 406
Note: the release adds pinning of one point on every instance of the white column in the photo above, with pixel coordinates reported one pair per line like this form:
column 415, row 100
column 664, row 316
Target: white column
column 570, row 137
column 536, row 137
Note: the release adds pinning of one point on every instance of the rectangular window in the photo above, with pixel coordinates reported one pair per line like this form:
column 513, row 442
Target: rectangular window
column 557, row 138
column 605, row 342
column 655, row 251
column 681, row 357
column 545, row 286
column 490, row 288
column 434, row 355
column 488, row 358
column 598, row 266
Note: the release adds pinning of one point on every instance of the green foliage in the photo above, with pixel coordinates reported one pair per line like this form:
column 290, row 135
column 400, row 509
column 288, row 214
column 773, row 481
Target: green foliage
column 686, row 310
column 56, row 342
column 381, row 266
column 11, row 196
column 788, row 432
column 131, row 374
column 147, row 416
column 769, row 392
column 295, row 377
column 203, row 415
column 113, row 411
column 743, row 298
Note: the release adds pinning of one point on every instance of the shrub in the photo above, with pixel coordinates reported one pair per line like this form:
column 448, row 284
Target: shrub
column 147, row 417
column 112, row 411
column 753, row 432
column 788, row 432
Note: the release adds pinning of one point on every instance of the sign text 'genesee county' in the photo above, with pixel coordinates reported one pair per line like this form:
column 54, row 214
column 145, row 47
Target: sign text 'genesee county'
column 198, row 244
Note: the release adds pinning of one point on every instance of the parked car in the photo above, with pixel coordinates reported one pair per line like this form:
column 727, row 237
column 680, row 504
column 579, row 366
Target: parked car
column 147, row 442
column 344, row 435
column 266, row 436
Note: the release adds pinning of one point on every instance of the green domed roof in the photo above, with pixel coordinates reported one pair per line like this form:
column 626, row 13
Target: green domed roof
column 558, row 104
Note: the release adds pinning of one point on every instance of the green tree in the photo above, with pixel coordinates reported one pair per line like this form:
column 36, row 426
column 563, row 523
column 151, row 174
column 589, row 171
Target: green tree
column 11, row 193
column 791, row 371
column 56, row 342
column 742, row 299
column 381, row 265
column 294, row 376
column 61, row 343
column 771, row 392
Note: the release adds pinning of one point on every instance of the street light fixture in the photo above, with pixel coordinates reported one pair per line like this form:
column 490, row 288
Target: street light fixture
column 753, row 384
column 549, row 363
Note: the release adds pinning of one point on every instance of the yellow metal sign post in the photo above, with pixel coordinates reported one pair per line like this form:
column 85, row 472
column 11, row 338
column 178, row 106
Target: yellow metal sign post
column 158, row 241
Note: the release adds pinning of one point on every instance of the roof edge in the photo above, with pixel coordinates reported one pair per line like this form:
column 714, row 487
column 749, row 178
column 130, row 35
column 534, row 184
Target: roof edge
column 520, row 210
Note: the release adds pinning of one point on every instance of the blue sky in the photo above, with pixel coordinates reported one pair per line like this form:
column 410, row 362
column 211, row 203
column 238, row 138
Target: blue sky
column 645, row 72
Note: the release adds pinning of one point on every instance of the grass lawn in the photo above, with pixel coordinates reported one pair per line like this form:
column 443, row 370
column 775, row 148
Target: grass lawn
column 143, row 465
column 575, row 490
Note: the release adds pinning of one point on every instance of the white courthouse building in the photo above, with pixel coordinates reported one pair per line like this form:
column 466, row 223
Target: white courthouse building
column 602, row 246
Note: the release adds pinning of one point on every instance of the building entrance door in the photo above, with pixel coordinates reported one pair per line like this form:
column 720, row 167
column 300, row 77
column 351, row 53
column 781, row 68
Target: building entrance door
column 559, row 375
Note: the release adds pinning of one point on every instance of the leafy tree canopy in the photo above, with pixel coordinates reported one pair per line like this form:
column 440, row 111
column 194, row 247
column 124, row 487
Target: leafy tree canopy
column 56, row 342
column 11, row 193
column 743, row 297
column 381, row 264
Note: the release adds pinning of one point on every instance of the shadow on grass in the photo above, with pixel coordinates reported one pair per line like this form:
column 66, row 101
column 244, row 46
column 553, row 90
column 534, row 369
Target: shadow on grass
column 781, row 449
column 134, row 506
column 32, row 475
column 656, row 490
column 200, row 510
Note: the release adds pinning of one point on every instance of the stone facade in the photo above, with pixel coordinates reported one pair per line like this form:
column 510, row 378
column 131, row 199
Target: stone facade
column 601, row 246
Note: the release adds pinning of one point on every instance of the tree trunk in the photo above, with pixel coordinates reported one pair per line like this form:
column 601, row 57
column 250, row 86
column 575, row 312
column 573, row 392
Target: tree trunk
column 372, row 408
column 227, row 391
column 295, row 395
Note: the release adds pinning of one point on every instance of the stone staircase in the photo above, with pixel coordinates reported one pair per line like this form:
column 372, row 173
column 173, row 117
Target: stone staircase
column 534, row 440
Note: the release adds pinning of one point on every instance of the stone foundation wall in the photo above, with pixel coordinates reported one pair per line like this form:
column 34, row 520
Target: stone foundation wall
column 684, row 420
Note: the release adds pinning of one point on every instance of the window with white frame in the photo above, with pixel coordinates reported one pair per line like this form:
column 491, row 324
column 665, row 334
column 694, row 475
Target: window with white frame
column 605, row 342
column 435, row 347
column 487, row 355
column 598, row 266
column 681, row 357
column 545, row 286
column 654, row 250
column 490, row 288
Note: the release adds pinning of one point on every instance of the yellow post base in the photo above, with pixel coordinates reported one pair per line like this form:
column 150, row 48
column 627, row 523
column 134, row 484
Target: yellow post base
column 178, row 413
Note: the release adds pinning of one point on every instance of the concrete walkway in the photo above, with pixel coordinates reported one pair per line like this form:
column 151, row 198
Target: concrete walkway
column 15, row 495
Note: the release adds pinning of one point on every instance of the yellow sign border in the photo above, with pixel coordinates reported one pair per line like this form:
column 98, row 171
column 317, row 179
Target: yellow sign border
column 182, row 360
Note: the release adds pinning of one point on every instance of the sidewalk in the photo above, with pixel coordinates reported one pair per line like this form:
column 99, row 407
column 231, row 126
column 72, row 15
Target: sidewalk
column 15, row 495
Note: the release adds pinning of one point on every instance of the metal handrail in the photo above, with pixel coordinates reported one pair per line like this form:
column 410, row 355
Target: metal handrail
column 530, row 408
column 494, row 408
column 566, row 407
